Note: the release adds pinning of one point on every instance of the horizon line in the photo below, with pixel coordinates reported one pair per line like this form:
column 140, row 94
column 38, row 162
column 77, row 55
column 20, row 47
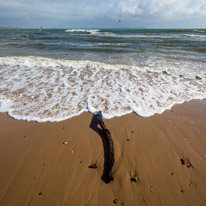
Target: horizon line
column 179, row 28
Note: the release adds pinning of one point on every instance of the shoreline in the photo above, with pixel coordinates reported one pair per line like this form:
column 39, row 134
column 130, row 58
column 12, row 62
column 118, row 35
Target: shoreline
column 144, row 89
column 94, row 112
column 37, row 168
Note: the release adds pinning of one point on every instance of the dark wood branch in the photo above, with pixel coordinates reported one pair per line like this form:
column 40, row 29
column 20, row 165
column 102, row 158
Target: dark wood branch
column 110, row 162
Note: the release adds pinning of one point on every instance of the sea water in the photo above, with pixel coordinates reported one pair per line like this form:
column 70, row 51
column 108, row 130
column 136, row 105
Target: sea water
column 52, row 75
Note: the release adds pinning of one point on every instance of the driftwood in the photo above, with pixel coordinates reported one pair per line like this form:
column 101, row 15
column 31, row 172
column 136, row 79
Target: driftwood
column 106, row 132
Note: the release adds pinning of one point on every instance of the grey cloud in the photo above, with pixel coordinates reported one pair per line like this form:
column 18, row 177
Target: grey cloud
column 97, row 12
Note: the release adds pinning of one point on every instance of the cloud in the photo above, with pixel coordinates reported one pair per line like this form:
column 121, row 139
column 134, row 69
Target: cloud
column 163, row 8
column 72, row 12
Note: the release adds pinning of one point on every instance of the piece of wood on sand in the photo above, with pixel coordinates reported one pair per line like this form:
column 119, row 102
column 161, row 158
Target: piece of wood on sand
column 107, row 134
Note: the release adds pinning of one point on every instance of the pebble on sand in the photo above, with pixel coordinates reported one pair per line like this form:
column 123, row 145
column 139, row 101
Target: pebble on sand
column 145, row 199
column 115, row 201
column 134, row 179
column 93, row 166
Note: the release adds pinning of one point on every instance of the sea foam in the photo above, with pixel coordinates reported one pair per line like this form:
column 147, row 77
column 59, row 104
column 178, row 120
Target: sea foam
column 45, row 89
column 113, row 34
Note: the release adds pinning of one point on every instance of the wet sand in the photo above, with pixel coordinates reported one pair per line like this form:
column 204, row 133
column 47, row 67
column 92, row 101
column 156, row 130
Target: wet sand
column 48, row 163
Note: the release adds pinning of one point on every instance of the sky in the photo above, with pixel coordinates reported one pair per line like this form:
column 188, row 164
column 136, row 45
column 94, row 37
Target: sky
column 103, row 13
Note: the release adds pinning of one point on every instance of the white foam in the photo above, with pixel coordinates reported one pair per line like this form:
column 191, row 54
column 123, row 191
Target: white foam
column 97, row 32
column 4, row 105
column 195, row 36
column 124, row 36
column 92, row 31
column 44, row 89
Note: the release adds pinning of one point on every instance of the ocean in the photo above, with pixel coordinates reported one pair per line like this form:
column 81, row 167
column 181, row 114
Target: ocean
column 55, row 74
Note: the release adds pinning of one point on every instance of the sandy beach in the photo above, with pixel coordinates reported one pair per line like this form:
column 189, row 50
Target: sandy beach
column 48, row 163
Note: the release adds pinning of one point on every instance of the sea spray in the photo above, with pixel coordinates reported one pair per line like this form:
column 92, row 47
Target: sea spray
column 47, row 89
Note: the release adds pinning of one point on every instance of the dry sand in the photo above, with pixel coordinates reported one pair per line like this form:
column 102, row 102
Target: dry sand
column 36, row 168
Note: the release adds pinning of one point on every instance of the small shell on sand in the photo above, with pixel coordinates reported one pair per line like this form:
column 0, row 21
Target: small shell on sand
column 65, row 142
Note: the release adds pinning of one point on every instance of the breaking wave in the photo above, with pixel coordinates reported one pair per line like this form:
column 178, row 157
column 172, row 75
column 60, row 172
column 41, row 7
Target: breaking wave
column 45, row 89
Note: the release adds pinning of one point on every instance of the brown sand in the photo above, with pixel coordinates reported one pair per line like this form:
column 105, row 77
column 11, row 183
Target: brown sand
column 36, row 168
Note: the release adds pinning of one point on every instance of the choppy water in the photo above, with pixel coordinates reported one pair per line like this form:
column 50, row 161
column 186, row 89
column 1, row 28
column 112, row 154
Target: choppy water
column 51, row 75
